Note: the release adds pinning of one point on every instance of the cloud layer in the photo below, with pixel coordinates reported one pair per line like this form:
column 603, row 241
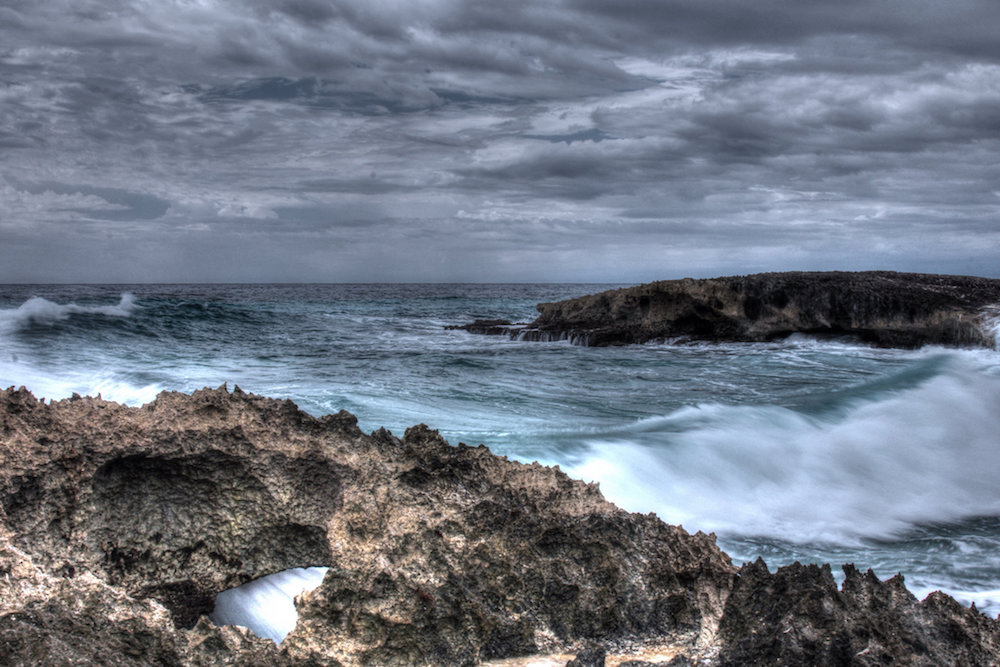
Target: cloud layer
column 439, row 140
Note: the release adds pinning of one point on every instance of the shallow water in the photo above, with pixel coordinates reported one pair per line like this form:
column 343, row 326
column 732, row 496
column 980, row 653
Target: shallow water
column 801, row 449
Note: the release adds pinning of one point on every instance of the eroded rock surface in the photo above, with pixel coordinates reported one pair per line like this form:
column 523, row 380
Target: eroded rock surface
column 796, row 616
column 438, row 554
column 880, row 307
column 118, row 527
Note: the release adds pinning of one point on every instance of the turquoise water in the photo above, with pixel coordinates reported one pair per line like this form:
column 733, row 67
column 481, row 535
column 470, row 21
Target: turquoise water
column 800, row 449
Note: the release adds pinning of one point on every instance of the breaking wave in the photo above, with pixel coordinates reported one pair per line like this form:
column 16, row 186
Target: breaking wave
column 873, row 468
column 38, row 310
column 34, row 354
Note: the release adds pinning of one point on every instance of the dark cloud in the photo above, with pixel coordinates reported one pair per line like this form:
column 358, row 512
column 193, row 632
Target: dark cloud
column 474, row 140
column 593, row 134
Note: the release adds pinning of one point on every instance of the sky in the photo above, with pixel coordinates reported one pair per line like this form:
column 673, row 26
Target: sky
column 495, row 140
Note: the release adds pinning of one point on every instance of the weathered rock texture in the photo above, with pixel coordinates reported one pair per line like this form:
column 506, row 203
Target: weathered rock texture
column 880, row 307
column 797, row 616
column 118, row 526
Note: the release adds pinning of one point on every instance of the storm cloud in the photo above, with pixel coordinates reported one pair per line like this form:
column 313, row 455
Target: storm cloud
column 447, row 140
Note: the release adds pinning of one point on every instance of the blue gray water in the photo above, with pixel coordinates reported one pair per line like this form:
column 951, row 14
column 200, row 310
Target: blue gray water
column 820, row 451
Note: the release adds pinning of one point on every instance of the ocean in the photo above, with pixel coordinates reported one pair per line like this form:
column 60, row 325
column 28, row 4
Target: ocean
column 801, row 449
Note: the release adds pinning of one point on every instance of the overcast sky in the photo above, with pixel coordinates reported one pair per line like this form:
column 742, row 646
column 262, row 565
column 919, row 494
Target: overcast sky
column 496, row 140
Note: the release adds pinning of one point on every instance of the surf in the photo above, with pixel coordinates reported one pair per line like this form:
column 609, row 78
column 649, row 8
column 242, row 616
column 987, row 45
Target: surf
column 40, row 311
column 874, row 466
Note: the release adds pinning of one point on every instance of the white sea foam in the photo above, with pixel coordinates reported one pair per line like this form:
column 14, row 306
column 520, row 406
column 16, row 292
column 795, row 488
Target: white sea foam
column 66, row 378
column 991, row 323
column 267, row 605
column 16, row 373
column 900, row 458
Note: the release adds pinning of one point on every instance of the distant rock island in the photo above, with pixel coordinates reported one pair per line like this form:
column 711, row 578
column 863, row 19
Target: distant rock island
column 119, row 526
column 883, row 308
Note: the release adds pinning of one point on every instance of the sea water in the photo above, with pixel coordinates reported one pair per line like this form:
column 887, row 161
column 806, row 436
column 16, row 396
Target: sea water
column 801, row 449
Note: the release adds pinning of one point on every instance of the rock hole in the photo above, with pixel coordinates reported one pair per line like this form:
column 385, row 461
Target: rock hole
column 267, row 605
column 644, row 304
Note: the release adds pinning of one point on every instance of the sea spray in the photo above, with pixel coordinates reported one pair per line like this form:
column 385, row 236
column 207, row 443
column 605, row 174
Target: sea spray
column 991, row 324
column 874, row 470
column 38, row 310
column 19, row 357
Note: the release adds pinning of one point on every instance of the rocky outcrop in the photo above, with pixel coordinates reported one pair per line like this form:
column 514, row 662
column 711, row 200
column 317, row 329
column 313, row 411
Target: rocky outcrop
column 796, row 616
column 879, row 307
column 74, row 617
column 118, row 526
column 437, row 554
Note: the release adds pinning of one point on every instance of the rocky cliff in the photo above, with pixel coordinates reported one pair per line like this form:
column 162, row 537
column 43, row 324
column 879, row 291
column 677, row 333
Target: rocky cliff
column 879, row 307
column 118, row 527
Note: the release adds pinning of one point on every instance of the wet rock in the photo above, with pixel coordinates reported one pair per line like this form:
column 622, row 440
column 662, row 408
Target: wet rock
column 486, row 327
column 879, row 307
column 676, row 661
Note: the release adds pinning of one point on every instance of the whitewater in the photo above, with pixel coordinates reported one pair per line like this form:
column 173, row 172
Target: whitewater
column 801, row 449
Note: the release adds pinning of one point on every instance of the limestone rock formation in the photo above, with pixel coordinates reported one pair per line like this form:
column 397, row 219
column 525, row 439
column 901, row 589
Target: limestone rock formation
column 438, row 554
column 880, row 307
column 796, row 616
column 72, row 618
column 118, row 526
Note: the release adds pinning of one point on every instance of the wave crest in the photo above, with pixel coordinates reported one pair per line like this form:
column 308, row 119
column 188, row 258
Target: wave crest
column 38, row 310
column 874, row 470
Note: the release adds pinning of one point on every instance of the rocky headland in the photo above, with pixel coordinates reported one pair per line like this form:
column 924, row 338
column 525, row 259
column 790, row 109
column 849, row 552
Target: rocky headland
column 879, row 307
column 120, row 525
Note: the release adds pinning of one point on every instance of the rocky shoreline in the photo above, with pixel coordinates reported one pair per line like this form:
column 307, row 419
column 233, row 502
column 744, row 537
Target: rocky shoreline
column 879, row 307
column 119, row 525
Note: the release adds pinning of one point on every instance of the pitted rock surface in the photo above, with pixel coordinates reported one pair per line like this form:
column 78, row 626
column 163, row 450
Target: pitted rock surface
column 119, row 525
column 438, row 554
column 796, row 616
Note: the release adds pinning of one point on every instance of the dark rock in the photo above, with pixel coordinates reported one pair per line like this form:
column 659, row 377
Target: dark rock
column 796, row 616
column 486, row 327
column 879, row 307
column 676, row 661
column 49, row 620
column 592, row 655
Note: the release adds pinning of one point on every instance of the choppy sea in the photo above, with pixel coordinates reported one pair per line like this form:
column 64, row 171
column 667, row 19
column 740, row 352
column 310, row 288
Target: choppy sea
column 802, row 449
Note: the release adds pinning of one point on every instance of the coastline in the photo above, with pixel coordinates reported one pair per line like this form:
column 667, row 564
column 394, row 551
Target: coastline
column 439, row 554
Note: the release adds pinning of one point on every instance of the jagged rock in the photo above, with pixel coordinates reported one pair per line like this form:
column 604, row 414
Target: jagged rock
column 74, row 618
column 879, row 307
column 796, row 616
column 118, row 526
column 437, row 554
